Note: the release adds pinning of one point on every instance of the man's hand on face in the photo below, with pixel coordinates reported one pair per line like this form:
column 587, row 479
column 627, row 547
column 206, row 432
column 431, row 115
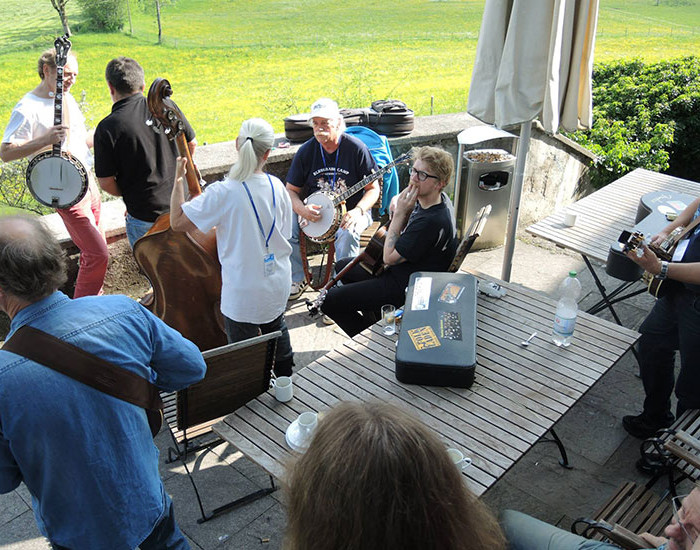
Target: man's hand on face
column 406, row 201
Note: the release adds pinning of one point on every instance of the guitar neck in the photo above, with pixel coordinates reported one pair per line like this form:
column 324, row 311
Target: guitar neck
column 58, row 106
column 367, row 179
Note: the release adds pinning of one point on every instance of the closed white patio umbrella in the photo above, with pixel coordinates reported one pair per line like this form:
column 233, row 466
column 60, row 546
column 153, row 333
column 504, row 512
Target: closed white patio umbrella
column 534, row 60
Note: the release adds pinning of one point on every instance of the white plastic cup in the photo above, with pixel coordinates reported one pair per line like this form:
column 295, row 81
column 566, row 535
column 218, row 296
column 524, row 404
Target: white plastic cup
column 307, row 424
column 569, row 219
column 284, row 389
column 458, row 458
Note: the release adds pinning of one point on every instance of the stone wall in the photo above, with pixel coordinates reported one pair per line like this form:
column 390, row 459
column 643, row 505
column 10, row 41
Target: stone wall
column 555, row 173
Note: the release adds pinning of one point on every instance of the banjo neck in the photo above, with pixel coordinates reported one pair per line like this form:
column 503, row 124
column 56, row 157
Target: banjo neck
column 342, row 197
column 58, row 103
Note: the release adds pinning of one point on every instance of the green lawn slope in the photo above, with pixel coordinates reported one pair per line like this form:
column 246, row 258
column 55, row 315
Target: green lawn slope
column 230, row 60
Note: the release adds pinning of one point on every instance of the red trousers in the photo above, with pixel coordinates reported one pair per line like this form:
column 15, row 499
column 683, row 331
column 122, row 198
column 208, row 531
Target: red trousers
column 82, row 221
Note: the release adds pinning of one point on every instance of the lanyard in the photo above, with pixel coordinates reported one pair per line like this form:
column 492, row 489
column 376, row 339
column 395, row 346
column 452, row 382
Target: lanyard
column 335, row 168
column 257, row 217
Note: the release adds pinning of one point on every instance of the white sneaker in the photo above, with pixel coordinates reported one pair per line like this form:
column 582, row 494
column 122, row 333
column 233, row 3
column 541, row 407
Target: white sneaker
column 297, row 289
column 327, row 320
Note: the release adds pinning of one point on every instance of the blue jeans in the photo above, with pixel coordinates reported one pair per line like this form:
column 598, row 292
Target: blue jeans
column 673, row 324
column 135, row 229
column 166, row 535
column 527, row 533
column 347, row 244
column 284, row 356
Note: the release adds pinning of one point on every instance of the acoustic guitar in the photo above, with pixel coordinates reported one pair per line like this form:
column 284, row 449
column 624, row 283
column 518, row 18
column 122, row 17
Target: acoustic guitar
column 56, row 178
column 664, row 251
column 370, row 259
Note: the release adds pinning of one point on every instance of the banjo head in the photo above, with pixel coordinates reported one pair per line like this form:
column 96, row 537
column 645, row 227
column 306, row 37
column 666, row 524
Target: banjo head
column 56, row 181
column 324, row 229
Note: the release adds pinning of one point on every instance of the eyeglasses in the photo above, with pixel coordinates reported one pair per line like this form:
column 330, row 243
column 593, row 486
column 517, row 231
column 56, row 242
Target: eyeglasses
column 679, row 514
column 420, row 175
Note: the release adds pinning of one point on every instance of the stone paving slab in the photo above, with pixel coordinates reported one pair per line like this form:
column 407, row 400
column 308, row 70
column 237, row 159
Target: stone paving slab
column 601, row 452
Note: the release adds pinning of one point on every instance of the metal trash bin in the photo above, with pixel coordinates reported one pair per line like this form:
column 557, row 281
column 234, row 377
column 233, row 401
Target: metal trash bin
column 486, row 178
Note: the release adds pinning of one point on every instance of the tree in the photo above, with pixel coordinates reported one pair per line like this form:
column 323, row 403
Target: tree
column 104, row 15
column 160, row 28
column 60, row 7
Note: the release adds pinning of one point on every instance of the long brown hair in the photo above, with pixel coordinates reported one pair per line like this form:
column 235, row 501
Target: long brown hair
column 375, row 477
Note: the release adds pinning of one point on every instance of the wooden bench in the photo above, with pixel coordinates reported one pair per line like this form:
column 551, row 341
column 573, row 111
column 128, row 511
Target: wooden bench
column 676, row 454
column 236, row 373
column 636, row 508
column 632, row 509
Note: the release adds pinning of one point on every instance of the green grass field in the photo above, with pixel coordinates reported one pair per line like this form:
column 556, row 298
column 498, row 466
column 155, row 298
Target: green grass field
column 230, row 60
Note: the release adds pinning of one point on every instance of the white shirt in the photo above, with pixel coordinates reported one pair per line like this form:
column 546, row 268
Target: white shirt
column 247, row 294
column 32, row 117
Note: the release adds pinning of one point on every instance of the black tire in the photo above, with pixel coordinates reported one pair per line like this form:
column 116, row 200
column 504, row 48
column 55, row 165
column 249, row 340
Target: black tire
column 392, row 123
column 297, row 128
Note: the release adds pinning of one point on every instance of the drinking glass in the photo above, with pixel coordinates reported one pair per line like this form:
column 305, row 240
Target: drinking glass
column 389, row 318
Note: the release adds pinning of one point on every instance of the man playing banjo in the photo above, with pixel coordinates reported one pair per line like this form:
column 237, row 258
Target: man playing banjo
column 31, row 130
column 333, row 162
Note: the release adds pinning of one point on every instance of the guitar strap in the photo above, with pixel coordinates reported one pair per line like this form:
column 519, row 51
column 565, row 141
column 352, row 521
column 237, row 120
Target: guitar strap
column 87, row 368
column 692, row 225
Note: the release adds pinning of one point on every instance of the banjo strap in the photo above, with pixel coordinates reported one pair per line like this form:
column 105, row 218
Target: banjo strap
column 305, row 263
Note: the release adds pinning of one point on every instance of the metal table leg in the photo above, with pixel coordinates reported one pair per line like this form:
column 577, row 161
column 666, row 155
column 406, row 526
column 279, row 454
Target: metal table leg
column 606, row 298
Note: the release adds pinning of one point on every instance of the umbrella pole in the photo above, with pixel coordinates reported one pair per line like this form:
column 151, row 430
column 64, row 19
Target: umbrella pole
column 514, row 208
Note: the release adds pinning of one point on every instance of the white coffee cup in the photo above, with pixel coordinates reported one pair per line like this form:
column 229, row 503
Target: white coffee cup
column 307, row 422
column 458, row 458
column 569, row 219
column 284, row 389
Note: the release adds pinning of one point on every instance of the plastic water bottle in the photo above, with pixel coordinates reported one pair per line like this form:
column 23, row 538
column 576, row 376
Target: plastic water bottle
column 567, row 310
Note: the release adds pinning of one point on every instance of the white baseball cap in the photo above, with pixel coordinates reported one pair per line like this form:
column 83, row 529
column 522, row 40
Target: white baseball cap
column 324, row 108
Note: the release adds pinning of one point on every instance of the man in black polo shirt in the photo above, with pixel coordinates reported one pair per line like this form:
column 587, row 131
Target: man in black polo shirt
column 131, row 160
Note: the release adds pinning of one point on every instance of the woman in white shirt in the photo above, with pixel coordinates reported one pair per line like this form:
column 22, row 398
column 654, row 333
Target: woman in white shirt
column 252, row 213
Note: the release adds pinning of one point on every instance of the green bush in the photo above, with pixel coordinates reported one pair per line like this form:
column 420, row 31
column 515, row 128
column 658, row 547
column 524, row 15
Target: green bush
column 13, row 188
column 645, row 116
column 103, row 15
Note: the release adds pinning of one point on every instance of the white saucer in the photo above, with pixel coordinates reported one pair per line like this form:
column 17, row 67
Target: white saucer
column 294, row 438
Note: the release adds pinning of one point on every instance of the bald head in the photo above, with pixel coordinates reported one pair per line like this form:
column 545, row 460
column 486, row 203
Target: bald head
column 31, row 260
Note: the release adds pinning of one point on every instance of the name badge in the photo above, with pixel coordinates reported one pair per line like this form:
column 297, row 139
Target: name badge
column 269, row 264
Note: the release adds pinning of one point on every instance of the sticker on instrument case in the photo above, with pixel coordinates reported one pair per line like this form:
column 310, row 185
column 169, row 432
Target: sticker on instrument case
column 451, row 293
column 450, row 325
column 421, row 293
column 424, row 338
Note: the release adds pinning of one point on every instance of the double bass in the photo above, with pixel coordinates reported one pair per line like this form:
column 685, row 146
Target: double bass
column 182, row 267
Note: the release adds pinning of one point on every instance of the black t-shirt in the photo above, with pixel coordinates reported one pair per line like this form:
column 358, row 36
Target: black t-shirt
column 315, row 170
column 142, row 161
column 428, row 243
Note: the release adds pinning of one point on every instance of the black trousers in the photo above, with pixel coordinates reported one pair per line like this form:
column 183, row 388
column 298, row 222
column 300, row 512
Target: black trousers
column 357, row 303
column 673, row 324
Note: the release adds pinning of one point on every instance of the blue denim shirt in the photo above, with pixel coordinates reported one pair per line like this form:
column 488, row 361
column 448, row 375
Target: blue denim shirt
column 88, row 458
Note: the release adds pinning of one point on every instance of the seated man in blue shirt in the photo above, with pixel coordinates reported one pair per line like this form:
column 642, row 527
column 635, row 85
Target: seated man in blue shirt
column 87, row 458
column 332, row 162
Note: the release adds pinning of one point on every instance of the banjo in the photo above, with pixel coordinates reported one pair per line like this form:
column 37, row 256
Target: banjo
column 56, row 178
column 332, row 207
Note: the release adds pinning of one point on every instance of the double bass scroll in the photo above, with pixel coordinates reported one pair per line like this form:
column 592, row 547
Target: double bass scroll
column 183, row 268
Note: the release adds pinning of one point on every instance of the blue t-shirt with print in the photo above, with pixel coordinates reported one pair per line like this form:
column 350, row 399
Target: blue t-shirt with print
column 313, row 169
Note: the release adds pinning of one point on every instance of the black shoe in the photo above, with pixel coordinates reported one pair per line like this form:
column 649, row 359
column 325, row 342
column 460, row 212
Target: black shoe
column 641, row 426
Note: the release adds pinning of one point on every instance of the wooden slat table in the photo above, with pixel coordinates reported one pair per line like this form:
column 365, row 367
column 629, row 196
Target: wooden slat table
column 602, row 216
column 518, row 395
